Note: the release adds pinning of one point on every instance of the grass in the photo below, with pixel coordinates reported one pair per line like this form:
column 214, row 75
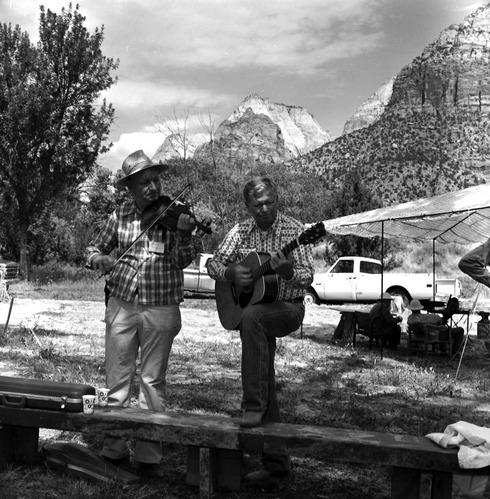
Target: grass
column 318, row 383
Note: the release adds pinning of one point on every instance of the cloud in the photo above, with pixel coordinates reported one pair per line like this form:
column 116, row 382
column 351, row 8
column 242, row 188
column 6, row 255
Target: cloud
column 149, row 141
column 150, row 138
column 233, row 34
column 144, row 94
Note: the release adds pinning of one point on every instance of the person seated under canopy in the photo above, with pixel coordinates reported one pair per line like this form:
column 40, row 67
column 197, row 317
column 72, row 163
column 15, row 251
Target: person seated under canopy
column 436, row 324
column 384, row 323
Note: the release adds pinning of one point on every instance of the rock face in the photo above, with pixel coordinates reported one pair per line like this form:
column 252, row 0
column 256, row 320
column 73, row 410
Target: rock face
column 452, row 71
column 433, row 135
column 175, row 146
column 299, row 129
column 251, row 136
column 371, row 109
column 260, row 130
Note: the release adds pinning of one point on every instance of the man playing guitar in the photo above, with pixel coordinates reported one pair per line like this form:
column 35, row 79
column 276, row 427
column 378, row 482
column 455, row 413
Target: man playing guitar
column 244, row 303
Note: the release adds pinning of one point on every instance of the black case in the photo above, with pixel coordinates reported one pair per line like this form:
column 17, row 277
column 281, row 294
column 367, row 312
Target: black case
column 43, row 394
column 77, row 460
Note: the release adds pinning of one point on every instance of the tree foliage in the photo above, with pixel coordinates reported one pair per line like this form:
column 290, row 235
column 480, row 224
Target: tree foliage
column 52, row 125
column 354, row 197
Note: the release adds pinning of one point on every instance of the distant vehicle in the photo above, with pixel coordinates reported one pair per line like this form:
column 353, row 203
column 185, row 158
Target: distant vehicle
column 358, row 279
column 196, row 277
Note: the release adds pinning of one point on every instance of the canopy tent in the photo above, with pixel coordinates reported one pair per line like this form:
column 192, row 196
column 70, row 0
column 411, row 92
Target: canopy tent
column 454, row 217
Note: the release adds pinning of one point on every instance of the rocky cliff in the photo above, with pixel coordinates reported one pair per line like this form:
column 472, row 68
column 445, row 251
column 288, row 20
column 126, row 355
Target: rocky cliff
column 177, row 146
column 433, row 134
column 371, row 109
column 299, row 129
column 260, row 130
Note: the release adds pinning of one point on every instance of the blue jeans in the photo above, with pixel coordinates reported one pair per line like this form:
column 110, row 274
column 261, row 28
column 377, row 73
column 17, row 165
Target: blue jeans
column 260, row 325
column 131, row 327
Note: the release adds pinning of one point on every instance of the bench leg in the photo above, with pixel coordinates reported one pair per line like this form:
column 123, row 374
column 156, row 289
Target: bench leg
column 18, row 444
column 405, row 483
column 208, row 472
column 442, row 485
column 221, row 467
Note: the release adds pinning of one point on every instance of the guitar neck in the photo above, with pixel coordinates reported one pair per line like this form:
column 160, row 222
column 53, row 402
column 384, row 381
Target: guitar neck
column 266, row 266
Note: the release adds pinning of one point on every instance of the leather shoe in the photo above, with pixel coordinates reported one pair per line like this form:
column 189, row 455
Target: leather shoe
column 149, row 469
column 265, row 480
column 250, row 419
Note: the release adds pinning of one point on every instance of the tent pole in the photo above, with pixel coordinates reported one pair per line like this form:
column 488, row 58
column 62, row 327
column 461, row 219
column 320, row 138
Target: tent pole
column 382, row 256
column 434, row 269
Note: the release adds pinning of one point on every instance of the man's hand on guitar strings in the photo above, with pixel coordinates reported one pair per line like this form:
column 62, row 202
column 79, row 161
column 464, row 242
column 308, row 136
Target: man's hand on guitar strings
column 281, row 265
column 240, row 275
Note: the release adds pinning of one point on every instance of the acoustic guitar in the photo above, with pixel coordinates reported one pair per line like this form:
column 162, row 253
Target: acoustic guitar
column 231, row 300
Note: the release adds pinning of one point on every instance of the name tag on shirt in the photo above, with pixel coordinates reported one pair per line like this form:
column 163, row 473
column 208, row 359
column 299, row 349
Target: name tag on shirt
column 156, row 247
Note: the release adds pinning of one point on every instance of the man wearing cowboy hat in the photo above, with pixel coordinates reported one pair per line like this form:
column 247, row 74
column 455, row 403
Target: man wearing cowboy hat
column 145, row 288
column 384, row 323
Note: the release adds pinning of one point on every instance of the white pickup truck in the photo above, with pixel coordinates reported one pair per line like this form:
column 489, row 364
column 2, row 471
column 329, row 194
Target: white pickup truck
column 196, row 278
column 358, row 279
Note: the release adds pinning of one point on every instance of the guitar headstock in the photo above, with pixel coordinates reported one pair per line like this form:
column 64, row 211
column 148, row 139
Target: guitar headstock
column 312, row 234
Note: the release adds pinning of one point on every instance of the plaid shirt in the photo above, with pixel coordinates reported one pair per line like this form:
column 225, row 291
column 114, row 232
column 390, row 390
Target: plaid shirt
column 152, row 267
column 246, row 237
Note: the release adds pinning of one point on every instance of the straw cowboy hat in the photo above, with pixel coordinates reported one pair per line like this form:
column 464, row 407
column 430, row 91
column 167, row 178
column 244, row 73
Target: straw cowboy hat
column 415, row 305
column 137, row 162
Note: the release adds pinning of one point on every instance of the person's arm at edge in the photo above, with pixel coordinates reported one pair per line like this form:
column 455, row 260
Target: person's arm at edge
column 474, row 263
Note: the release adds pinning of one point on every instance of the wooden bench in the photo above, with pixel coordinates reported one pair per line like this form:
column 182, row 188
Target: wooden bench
column 216, row 445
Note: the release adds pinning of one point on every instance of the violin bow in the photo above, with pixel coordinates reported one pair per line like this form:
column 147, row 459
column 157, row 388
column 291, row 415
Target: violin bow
column 152, row 224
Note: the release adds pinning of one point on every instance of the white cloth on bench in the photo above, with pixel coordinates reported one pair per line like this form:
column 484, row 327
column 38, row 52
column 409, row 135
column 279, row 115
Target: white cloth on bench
column 473, row 442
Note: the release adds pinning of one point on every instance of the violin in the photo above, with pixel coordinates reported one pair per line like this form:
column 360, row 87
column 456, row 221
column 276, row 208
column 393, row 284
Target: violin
column 167, row 212
column 164, row 214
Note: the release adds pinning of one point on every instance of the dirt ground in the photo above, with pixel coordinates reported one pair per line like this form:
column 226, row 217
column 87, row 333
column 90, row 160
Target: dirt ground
column 75, row 317
column 86, row 318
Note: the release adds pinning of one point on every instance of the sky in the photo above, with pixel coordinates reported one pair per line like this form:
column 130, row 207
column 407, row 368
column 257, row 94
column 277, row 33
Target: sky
column 197, row 60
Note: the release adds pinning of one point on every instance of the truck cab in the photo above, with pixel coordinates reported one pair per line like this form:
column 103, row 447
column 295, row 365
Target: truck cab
column 352, row 279
column 196, row 277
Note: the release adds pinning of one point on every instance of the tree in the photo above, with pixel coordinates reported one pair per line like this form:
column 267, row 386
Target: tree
column 52, row 126
column 176, row 131
column 208, row 124
column 354, row 197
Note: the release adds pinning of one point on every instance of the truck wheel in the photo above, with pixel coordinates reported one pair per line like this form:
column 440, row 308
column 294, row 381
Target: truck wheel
column 311, row 298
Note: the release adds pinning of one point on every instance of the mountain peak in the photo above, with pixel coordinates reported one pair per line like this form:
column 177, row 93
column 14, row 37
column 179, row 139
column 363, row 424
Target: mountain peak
column 299, row 129
column 429, row 133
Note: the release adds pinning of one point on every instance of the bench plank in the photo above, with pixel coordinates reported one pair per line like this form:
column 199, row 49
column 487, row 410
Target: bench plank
column 355, row 446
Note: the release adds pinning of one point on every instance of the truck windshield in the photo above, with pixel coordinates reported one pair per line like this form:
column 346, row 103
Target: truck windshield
column 370, row 268
column 344, row 267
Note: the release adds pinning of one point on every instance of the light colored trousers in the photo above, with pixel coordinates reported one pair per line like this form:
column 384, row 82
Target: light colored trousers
column 130, row 327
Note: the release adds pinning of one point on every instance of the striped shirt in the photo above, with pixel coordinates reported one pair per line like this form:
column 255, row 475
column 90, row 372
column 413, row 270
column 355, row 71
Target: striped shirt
column 246, row 237
column 153, row 266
